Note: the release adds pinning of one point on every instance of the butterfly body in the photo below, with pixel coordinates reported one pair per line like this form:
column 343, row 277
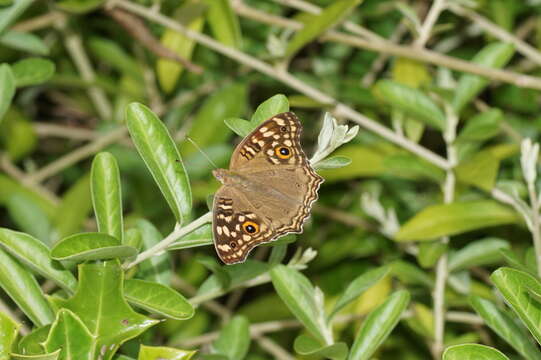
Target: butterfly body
column 267, row 192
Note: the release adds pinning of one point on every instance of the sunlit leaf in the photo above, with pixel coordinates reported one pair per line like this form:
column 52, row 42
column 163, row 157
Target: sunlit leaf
column 455, row 218
column 91, row 246
column 472, row 352
column 70, row 335
column 161, row 352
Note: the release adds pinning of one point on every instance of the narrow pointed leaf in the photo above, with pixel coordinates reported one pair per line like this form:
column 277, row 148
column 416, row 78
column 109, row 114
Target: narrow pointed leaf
column 70, row 335
column 308, row 346
column 7, row 88
column 505, row 326
column 514, row 286
column 202, row 236
column 24, row 290
column 478, row 253
column 162, row 158
column 224, row 22
column 106, row 195
column 157, row 299
column 9, row 14
column 29, row 216
column 36, row 256
column 378, row 325
column 358, row 286
column 91, row 246
column 74, row 208
column 494, row 55
column 8, row 334
column 472, row 352
column 318, row 24
column 234, row 339
column 455, row 218
column 240, row 127
column 480, row 170
column 299, row 295
column 411, row 101
column 161, row 352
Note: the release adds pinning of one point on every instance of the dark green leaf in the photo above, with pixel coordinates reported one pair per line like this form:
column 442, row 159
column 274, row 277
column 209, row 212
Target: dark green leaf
column 91, row 246
column 162, row 158
column 234, row 339
column 318, row 24
column 157, row 299
column 7, row 87
column 378, row 325
column 35, row 255
column 477, row 253
column 494, row 55
column 106, row 195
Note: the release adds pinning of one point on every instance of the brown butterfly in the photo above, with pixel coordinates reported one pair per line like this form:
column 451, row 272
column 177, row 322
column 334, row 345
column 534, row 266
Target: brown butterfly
column 267, row 192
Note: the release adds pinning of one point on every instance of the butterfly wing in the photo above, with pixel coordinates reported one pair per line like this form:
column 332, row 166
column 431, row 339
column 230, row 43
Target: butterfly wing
column 280, row 188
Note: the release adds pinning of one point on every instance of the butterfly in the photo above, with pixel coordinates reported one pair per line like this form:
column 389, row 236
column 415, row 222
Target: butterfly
column 267, row 192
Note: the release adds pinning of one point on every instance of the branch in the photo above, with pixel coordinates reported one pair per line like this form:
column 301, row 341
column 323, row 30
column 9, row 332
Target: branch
column 137, row 29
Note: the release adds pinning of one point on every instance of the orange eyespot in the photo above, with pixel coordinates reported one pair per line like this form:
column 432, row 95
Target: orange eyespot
column 250, row 227
column 283, row 152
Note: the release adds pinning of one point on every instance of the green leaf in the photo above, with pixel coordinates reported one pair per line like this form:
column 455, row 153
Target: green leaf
column 162, row 158
column 362, row 283
column 513, row 260
column 7, row 87
column 303, row 300
column 365, row 162
column 158, row 267
column 17, row 134
column 111, row 53
column 161, row 352
column 32, row 344
column 408, row 273
column 52, row 356
column 70, row 335
column 9, row 15
column 240, row 127
column 208, row 127
column 472, row 352
column 308, row 346
column 218, row 270
column 412, row 167
column 8, row 334
column 378, row 325
column 99, row 302
column 494, row 55
column 134, row 238
column 224, row 23
column 157, row 299
column 318, row 24
column 274, row 105
column 202, row 236
column 482, row 126
column 234, row 339
column 514, row 286
column 24, row 290
column 106, row 195
column 478, row 253
column 29, row 216
column 239, row 274
column 91, row 246
column 334, row 162
column 505, row 326
column 36, row 256
column 168, row 71
column 22, row 41
column 455, row 218
column 480, row 170
column 430, row 252
column 411, row 101
column 79, row 6
column 74, row 208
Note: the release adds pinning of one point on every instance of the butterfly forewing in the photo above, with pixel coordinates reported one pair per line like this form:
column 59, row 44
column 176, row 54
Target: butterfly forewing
column 269, row 192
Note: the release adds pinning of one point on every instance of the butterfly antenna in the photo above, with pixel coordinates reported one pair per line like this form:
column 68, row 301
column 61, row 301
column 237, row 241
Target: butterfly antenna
column 202, row 152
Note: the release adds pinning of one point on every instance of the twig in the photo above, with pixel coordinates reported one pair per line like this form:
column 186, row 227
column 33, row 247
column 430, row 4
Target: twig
column 387, row 47
column 137, row 29
column 75, row 48
column 73, row 157
column 39, row 22
column 426, row 29
column 289, row 80
column 171, row 238
column 521, row 46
